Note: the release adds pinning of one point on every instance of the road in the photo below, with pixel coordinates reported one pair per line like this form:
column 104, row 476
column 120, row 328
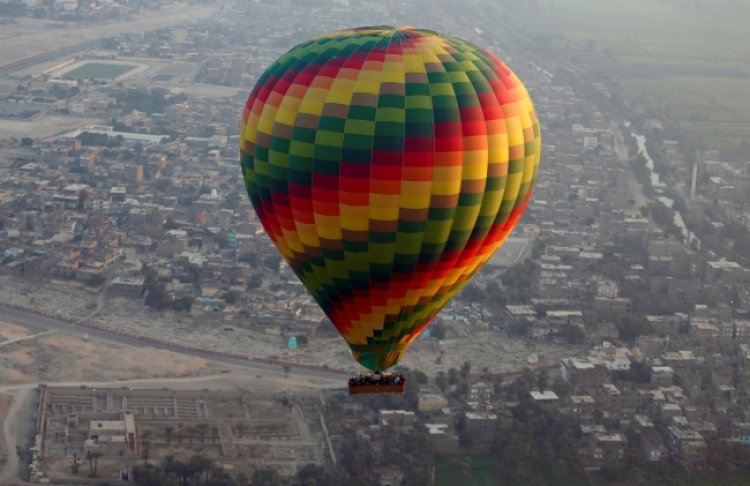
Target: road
column 31, row 319
column 25, row 338
column 10, row 433
column 621, row 150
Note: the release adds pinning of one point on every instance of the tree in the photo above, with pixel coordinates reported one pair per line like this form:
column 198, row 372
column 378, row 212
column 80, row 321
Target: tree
column 183, row 304
column 200, row 464
column 232, row 200
column 542, row 380
column 214, row 434
column 145, row 450
column 27, row 142
column 74, row 464
column 452, row 376
column 465, row 371
column 90, row 457
column 163, row 184
column 179, row 433
column 441, row 381
column 314, row 475
column 465, row 439
column 418, row 376
column 248, row 257
column 202, row 428
column 272, row 262
column 95, row 456
column 95, row 280
column 168, row 429
column 437, row 330
column 266, row 477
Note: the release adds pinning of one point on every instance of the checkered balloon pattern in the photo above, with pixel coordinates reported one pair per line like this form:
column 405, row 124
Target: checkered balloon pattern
column 387, row 164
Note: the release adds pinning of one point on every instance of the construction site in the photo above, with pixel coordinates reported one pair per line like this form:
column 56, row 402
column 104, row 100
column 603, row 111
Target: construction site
column 107, row 432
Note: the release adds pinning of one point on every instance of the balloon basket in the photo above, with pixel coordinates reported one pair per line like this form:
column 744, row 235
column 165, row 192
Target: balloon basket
column 376, row 390
column 365, row 385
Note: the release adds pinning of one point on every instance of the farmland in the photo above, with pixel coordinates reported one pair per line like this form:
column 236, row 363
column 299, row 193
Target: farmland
column 690, row 58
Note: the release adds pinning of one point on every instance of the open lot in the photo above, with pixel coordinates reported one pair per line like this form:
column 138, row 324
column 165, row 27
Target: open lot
column 691, row 57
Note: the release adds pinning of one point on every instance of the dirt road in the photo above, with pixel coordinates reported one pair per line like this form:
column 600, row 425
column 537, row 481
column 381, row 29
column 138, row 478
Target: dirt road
column 9, row 470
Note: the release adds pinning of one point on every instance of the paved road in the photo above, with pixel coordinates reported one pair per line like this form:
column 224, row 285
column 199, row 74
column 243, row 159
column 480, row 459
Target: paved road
column 26, row 318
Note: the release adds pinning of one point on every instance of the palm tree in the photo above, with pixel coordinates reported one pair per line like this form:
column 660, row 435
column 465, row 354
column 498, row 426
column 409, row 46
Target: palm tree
column 214, row 433
column 485, row 373
column 202, row 428
column 452, row 376
column 145, row 450
column 465, row 371
column 169, row 464
column 96, row 456
column 74, row 464
column 168, row 429
column 542, row 380
column 200, row 464
column 191, row 433
column 179, row 433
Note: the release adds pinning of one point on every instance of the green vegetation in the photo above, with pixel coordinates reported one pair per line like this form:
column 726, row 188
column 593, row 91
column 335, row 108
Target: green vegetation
column 469, row 470
column 686, row 58
column 99, row 70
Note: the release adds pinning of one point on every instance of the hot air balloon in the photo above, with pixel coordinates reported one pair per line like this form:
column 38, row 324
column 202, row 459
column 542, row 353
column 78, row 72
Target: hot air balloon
column 387, row 164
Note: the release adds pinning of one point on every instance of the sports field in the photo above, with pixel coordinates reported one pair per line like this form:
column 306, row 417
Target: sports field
column 470, row 470
column 99, row 70
column 690, row 56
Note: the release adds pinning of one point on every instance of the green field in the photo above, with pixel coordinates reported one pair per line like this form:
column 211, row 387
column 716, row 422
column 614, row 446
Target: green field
column 692, row 56
column 99, row 70
column 449, row 473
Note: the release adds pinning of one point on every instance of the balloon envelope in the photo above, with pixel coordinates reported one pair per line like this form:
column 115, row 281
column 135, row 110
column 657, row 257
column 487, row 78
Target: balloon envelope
column 387, row 164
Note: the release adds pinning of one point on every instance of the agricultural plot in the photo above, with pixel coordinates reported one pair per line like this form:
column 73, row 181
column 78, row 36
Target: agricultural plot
column 691, row 57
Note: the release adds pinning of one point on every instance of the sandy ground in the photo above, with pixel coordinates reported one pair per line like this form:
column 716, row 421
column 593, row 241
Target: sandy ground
column 13, row 427
column 44, row 126
column 29, row 37
column 483, row 349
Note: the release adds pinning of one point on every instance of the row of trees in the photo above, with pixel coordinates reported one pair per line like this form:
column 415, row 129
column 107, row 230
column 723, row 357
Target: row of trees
column 200, row 470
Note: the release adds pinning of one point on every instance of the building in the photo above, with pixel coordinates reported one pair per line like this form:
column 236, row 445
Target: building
column 582, row 405
column 131, row 287
column 546, row 399
column 687, row 444
column 112, row 437
column 481, row 426
column 431, row 400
